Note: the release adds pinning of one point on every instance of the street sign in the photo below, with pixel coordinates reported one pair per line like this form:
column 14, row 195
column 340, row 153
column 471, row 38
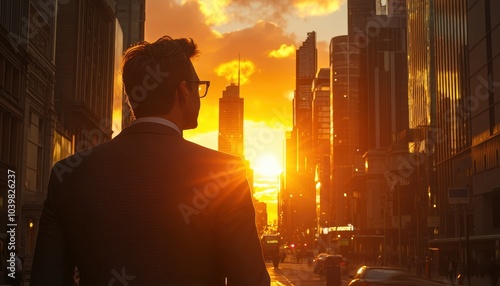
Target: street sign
column 458, row 195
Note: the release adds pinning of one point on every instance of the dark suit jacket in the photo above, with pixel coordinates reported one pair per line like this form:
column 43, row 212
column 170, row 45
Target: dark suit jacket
column 149, row 208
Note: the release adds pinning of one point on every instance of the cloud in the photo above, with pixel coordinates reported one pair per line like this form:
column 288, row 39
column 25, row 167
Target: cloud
column 214, row 11
column 220, row 12
column 268, row 95
column 236, row 70
column 283, row 52
column 317, row 8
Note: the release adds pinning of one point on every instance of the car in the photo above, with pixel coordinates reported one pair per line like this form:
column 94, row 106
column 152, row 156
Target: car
column 319, row 261
column 387, row 276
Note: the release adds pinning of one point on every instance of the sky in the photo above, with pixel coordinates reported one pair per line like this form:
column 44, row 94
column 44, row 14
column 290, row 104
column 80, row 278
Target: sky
column 263, row 36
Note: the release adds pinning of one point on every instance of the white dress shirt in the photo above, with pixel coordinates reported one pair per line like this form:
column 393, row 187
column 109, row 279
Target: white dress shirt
column 158, row 120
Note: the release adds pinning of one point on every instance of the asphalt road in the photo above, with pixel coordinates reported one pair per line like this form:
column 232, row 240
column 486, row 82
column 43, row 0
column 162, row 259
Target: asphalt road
column 296, row 274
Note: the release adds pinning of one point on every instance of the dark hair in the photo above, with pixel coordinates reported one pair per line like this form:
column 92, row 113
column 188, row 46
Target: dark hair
column 152, row 72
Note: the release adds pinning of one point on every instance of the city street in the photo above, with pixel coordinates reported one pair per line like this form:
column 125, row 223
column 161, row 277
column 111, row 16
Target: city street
column 296, row 274
column 300, row 274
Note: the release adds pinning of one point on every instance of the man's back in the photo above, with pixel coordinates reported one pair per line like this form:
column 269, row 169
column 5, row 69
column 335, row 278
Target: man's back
column 149, row 208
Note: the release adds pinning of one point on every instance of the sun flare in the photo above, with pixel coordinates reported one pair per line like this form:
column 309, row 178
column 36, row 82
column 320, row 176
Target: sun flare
column 267, row 165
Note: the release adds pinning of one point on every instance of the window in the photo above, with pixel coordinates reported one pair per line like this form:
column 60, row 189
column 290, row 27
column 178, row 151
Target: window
column 34, row 157
column 9, row 146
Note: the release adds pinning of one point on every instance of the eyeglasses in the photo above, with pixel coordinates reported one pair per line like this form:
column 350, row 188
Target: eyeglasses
column 203, row 86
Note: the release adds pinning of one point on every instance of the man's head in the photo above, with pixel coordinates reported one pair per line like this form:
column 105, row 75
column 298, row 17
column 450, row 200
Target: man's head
column 158, row 79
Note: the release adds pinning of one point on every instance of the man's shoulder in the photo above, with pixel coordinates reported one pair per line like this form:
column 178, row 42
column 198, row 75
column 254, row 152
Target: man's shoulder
column 210, row 152
column 207, row 156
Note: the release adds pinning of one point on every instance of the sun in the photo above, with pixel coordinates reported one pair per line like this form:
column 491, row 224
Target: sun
column 267, row 165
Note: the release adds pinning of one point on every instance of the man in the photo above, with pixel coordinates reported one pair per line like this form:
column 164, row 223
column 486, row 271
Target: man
column 148, row 207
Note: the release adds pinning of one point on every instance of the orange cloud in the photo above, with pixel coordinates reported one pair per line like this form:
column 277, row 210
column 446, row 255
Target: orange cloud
column 283, row 52
column 317, row 8
column 214, row 11
column 268, row 95
column 229, row 71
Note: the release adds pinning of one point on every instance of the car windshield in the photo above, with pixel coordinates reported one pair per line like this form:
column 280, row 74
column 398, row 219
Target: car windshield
column 380, row 274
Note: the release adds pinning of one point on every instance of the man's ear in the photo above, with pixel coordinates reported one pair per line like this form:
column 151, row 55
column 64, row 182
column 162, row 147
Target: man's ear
column 182, row 92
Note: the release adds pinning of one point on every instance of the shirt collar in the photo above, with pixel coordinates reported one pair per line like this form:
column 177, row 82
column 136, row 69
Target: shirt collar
column 158, row 120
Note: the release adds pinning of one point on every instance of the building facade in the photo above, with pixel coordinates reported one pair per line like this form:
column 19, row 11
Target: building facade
column 483, row 105
column 441, row 90
column 85, row 60
column 57, row 95
column 131, row 15
column 27, row 78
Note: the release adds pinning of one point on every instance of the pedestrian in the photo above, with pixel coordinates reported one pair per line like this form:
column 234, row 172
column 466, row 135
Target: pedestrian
column 149, row 207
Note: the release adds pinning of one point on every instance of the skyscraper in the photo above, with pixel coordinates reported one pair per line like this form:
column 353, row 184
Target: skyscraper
column 344, row 140
column 422, row 109
column 305, row 72
column 386, row 82
column 484, row 106
column 376, row 108
column 321, row 142
column 231, row 115
column 359, row 34
column 300, row 176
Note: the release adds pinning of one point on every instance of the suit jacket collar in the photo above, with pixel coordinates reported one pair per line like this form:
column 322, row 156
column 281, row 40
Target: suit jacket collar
column 150, row 127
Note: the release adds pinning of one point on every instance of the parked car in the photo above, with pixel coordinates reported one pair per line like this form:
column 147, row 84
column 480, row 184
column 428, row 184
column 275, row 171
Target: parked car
column 385, row 276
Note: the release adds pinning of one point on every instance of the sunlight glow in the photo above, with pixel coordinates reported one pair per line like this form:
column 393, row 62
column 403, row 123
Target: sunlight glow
column 268, row 165
column 229, row 71
column 290, row 95
column 283, row 52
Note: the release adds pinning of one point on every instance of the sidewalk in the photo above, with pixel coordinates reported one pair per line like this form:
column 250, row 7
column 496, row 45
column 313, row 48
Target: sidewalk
column 474, row 281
